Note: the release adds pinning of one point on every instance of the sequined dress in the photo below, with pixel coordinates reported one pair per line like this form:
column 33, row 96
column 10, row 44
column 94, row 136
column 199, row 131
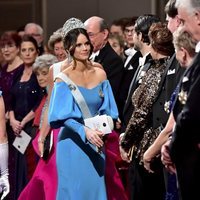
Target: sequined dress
column 139, row 132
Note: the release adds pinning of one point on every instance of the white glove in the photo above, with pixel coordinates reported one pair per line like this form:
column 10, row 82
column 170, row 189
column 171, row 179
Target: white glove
column 4, row 183
column 4, row 186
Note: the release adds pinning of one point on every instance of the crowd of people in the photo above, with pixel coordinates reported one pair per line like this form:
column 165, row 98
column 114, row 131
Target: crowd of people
column 141, row 75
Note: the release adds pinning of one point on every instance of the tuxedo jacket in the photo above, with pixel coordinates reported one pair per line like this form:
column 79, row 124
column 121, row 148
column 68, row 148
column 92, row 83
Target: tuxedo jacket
column 129, row 71
column 128, row 107
column 187, row 111
column 113, row 66
column 169, row 81
column 183, row 148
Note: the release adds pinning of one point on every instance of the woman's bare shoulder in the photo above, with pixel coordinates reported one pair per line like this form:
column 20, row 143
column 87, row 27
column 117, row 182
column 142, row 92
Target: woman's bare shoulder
column 99, row 71
column 95, row 64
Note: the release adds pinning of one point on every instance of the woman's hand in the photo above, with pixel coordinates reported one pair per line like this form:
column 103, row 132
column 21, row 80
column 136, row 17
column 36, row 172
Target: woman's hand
column 16, row 126
column 94, row 137
column 118, row 124
column 147, row 158
column 41, row 146
column 23, row 123
column 166, row 159
column 123, row 153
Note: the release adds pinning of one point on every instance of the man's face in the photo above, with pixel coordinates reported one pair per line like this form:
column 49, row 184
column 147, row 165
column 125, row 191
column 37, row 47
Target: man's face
column 34, row 33
column 96, row 36
column 136, row 40
column 172, row 23
column 114, row 29
column 128, row 34
column 190, row 22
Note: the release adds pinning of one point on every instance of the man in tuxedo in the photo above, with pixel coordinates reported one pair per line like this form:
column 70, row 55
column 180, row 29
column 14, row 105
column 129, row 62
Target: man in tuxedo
column 172, row 76
column 103, row 53
column 131, row 63
column 141, row 44
column 183, row 149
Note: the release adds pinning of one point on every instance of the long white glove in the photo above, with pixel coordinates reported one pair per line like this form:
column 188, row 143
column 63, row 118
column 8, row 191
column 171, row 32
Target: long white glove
column 4, row 183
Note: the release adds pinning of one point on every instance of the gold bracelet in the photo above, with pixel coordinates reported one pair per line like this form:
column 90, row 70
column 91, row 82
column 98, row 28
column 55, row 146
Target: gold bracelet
column 41, row 140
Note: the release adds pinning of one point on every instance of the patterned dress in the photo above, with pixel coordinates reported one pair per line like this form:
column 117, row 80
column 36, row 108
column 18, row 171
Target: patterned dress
column 139, row 135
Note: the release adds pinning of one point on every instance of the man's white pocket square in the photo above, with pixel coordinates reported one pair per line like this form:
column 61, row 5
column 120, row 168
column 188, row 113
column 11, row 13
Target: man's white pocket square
column 171, row 72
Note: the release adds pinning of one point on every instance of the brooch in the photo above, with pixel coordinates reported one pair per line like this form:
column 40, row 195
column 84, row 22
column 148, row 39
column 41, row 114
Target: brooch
column 72, row 87
column 101, row 93
column 166, row 106
column 182, row 97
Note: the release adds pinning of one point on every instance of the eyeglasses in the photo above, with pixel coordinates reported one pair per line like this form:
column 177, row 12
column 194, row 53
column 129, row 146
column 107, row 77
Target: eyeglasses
column 35, row 34
column 90, row 34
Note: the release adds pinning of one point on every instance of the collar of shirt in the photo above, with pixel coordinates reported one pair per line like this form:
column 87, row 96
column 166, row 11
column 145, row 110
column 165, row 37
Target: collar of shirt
column 142, row 60
column 197, row 48
column 94, row 54
column 130, row 52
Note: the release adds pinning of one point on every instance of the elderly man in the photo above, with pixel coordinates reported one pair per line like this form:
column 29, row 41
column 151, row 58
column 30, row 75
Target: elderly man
column 36, row 31
column 103, row 53
column 184, row 148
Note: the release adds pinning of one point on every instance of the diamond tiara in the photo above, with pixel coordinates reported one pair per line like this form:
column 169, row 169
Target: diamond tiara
column 71, row 24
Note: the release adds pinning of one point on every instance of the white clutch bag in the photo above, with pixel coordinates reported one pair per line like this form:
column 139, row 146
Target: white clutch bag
column 103, row 123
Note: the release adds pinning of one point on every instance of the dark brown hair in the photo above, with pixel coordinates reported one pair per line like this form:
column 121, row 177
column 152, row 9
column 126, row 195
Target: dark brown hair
column 29, row 38
column 71, row 39
column 170, row 8
column 10, row 37
column 161, row 39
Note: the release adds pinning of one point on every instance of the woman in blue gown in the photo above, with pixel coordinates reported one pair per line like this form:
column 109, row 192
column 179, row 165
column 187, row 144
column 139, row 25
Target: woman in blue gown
column 80, row 166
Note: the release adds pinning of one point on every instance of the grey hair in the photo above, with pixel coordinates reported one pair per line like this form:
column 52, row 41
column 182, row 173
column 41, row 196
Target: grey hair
column 45, row 60
column 39, row 28
column 54, row 38
column 190, row 5
column 182, row 39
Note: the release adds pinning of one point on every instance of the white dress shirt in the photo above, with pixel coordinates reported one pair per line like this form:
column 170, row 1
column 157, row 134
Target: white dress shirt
column 130, row 53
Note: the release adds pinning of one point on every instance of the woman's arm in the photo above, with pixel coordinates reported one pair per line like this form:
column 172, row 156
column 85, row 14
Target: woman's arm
column 27, row 118
column 15, row 124
column 143, row 99
column 155, row 148
column 45, row 128
column 3, row 135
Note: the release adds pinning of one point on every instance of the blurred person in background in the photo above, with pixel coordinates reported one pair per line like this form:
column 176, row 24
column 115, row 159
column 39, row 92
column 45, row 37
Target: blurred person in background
column 55, row 44
column 25, row 98
column 43, row 184
column 36, row 31
column 9, row 46
column 117, row 43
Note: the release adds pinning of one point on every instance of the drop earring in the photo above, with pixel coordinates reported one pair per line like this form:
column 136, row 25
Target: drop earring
column 69, row 57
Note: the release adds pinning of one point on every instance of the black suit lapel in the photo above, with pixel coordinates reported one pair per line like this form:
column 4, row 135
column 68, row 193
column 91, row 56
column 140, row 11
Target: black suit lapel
column 102, row 54
column 135, row 81
column 134, row 59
